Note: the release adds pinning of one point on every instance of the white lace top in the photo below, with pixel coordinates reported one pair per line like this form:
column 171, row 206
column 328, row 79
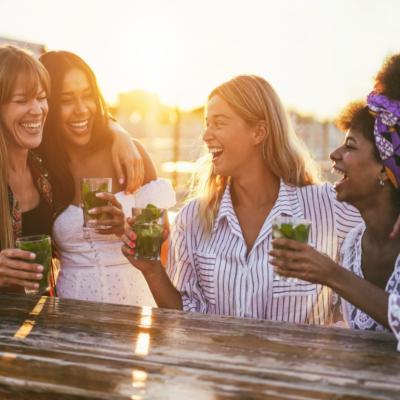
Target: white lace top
column 94, row 268
column 394, row 315
column 351, row 259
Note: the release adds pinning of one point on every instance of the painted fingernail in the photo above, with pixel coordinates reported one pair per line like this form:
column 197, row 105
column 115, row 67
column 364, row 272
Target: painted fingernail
column 39, row 268
column 39, row 276
column 132, row 244
column 92, row 221
column 132, row 235
column 32, row 256
column 92, row 211
column 99, row 194
column 121, row 181
column 36, row 286
column 131, row 251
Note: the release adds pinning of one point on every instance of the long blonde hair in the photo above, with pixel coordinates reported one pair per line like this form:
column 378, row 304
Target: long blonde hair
column 14, row 63
column 254, row 100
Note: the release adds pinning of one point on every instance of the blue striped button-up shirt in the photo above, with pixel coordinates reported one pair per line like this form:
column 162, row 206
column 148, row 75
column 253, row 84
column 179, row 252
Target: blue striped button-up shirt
column 215, row 275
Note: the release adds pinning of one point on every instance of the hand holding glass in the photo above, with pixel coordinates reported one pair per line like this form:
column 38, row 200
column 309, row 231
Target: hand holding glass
column 148, row 227
column 41, row 246
column 290, row 228
column 89, row 188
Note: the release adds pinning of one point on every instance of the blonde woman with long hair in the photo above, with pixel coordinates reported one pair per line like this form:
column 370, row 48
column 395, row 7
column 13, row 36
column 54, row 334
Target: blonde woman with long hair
column 25, row 194
column 258, row 169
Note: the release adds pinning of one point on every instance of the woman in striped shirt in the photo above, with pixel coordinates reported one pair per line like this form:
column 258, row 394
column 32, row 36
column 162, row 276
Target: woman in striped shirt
column 257, row 169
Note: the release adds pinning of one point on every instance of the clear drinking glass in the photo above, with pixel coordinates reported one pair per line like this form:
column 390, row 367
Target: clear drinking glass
column 89, row 188
column 148, row 226
column 41, row 246
column 291, row 228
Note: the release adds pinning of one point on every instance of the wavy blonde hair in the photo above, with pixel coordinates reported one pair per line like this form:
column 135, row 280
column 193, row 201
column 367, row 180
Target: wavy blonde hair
column 14, row 63
column 286, row 156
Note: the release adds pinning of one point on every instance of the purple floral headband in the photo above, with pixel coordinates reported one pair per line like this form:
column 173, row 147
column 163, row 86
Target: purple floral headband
column 387, row 133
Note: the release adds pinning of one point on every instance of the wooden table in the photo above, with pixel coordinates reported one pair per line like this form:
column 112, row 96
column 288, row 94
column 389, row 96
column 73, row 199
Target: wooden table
column 65, row 349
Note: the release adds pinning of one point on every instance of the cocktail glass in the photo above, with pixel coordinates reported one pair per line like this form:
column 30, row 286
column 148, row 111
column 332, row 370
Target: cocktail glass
column 148, row 226
column 293, row 228
column 41, row 246
column 89, row 188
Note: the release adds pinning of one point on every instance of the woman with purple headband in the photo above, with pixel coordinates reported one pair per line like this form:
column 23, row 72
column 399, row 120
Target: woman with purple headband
column 369, row 161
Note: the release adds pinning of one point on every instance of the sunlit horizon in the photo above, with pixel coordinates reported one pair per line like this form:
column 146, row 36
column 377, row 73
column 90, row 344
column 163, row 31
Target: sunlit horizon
column 318, row 54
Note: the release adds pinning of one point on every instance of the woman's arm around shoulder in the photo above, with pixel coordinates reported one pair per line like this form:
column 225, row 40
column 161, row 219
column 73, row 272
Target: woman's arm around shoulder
column 150, row 171
column 132, row 163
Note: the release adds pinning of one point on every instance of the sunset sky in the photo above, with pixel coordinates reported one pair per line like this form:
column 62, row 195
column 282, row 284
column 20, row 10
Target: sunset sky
column 318, row 54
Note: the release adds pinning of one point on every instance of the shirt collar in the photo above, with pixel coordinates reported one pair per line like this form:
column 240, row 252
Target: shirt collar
column 226, row 211
column 287, row 203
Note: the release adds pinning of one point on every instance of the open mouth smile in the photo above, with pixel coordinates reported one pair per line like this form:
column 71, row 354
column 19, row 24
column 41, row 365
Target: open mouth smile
column 79, row 126
column 341, row 172
column 32, row 126
column 215, row 152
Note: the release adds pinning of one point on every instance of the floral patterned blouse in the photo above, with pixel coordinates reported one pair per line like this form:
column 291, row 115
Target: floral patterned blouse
column 351, row 259
column 41, row 180
column 394, row 316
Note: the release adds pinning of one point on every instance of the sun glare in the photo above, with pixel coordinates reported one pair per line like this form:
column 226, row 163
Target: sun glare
column 155, row 63
column 181, row 50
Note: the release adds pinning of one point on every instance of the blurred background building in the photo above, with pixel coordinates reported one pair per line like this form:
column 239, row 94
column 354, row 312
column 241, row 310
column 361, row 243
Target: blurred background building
column 36, row 48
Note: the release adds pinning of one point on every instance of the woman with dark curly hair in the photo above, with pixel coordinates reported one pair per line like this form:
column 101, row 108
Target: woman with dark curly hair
column 369, row 161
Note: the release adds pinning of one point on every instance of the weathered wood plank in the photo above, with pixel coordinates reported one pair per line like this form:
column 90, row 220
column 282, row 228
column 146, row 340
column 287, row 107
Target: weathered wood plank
column 89, row 350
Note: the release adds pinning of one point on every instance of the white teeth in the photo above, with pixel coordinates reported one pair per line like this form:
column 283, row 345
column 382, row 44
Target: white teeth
column 80, row 124
column 214, row 150
column 31, row 125
column 338, row 171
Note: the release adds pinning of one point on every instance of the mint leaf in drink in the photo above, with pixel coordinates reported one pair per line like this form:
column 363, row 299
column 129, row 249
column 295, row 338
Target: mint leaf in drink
column 287, row 231
column 41, row 246
column 149, row 214
column 102, row 188
column 152, row 212
column 90, row 200
column 301, row 233
column 149, row 233
column 85, row 188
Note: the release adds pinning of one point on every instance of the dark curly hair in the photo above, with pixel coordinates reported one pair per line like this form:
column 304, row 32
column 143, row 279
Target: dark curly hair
column 387, row 80
column 356, row 115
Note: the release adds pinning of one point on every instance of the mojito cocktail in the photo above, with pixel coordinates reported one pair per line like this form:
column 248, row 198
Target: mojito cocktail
column 41, row 246
column 148, row 226
column 89, row 188
column 290, row 228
